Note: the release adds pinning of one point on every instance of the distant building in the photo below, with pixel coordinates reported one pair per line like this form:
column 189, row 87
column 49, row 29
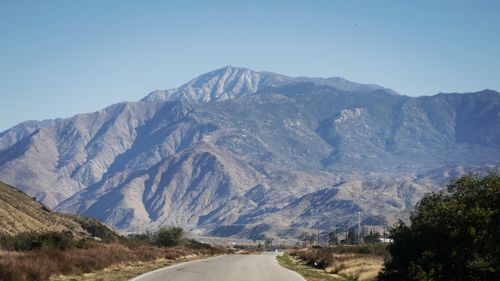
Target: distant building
column 386, row 240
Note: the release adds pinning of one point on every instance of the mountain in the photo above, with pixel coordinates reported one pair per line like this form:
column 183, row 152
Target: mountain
column 240, row 152
column 20, row 213
column 233, row 82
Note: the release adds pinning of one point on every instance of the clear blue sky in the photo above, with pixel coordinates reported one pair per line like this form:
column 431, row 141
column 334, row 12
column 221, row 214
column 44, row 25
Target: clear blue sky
column 60, row 58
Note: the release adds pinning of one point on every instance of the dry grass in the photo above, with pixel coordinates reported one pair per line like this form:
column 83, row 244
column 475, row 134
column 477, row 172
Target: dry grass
column 309, row 273
column 339, row 266
column 123, row 271
column 44, row 263
column 365, row 267
column 248, row 251
column 21, row 213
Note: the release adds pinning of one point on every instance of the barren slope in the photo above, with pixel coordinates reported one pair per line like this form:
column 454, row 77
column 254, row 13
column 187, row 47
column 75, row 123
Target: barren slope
column 21, row 213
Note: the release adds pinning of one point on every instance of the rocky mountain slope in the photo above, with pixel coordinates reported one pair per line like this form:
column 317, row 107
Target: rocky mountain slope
column 240, row 152
column 21, row 213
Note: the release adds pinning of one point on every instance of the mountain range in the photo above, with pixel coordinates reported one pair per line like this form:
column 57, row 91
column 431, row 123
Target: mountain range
column 246, row 153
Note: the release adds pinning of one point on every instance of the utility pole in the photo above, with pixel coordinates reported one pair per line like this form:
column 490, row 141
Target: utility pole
column 346, row 231
column 359, row 227
column 318, row 235
column 336, row 233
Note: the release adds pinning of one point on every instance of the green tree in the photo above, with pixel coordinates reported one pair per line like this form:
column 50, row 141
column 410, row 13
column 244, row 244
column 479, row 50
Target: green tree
column 333, row 238
column 372, row 238
column 454, row 234
column 268, row 242
column 169, row 237
column 352, row 236
column 310, row 238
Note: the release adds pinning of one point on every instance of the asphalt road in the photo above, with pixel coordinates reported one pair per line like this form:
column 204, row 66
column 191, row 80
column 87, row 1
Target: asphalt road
column 258, row 267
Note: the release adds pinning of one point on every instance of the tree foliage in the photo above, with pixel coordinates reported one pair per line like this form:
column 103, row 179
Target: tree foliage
column 28, row 241
column 333, row 238
column 454, row 234
column 352, row 236
column 372, row 238
column 170, row 236
column 268, row 243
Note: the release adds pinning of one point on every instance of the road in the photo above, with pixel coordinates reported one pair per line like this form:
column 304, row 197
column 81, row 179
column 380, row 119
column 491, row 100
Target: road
column 258, row 267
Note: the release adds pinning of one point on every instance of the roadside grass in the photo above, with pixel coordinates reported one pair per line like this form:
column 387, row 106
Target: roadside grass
column 124, row 271
column 362, row 266
column 335, row 263
column 44, row 263
column 309, row 273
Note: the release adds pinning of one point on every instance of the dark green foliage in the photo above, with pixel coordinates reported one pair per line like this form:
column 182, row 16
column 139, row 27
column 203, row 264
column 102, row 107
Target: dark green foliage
column 351, row 278
column 268, row 243
column 141, row 239
column 31, row 241
column 454, row 234
column 169, row 237
column 377, row 249
column 98, row 229
column 323, row 257
column 372, row 238
column 352, row 236
column 333, row 238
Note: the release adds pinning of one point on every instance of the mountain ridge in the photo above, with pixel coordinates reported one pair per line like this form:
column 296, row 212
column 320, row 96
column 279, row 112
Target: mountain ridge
column 243, row 81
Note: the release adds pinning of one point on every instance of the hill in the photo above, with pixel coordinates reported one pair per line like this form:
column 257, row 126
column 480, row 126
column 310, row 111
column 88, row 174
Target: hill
column 20, row 213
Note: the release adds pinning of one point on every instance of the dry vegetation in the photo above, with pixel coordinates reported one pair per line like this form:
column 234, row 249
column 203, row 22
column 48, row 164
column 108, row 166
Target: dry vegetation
column 336, row 263
column 365, row 267
column 126, row 270
column 308, row 272
column 20, row 213
column 43, row 263
column 37, row 244
column 121, row 271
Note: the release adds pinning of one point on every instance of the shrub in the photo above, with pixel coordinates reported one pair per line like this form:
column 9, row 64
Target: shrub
column 31, row 241
column 169, row 237
column 41, row 264
column 453, row 235
column 98, row 229
column 329, row 256
column 50, row 254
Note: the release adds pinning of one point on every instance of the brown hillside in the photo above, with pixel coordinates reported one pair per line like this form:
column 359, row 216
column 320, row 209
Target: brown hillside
column 21, row 213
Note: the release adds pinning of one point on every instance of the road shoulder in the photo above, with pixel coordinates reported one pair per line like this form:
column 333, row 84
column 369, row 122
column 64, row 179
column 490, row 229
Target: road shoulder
column 129, row 271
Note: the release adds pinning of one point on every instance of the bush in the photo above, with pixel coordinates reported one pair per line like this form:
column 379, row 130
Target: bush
column 196, row 245
column 376, row 249
column 338, row 258
column 169, row 237
column 318, row 257
column 98, row 229
column 50, row 254
column 23, row 271
column 29, row 241
column 41, row 264
column 453, row 235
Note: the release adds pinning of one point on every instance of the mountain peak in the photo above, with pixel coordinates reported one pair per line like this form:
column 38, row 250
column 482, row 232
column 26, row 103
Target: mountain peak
column 232, row 82
column 226, row 70
column 233, row 68
column 218, row 85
